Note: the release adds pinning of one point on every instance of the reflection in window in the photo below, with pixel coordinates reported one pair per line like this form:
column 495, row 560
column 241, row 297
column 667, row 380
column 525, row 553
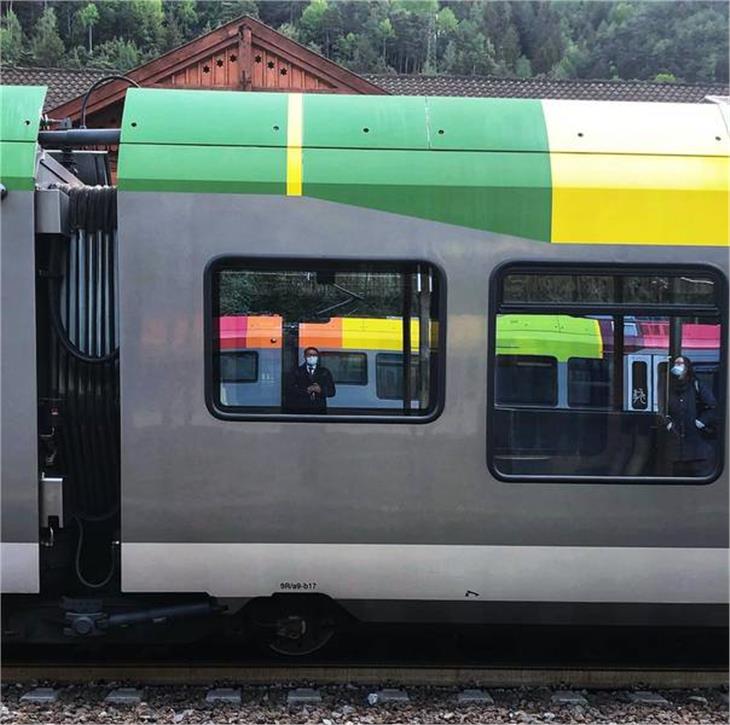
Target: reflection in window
column 526, row 380
column 607, row 415
column 331, row 339
column 347, row 368
column 589, row 382
column 565, row 287
column 389, row 376
column 238, row 367
column 640, row 385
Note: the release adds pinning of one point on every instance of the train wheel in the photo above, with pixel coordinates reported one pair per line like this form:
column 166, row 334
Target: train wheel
column 294, row 626
column 297, row 635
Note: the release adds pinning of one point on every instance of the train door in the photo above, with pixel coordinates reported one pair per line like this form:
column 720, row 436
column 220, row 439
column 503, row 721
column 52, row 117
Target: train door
column 640, row 390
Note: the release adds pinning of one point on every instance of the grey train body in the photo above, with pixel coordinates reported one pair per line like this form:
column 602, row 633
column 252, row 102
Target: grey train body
column 392, row 519
column 368, row 512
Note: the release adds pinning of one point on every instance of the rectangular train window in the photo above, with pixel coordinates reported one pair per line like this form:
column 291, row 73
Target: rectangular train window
column 638, row 358
column 347, row 368
column 238, row 367
column 389, row 375
column 308, row 340
column 589, row 382
column 526, row 379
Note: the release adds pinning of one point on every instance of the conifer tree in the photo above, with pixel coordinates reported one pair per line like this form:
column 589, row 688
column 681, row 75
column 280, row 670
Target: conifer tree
column 46, row 44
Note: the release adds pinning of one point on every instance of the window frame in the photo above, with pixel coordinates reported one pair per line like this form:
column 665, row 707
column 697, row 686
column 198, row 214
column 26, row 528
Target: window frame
column 496, row 306
column 351, row 265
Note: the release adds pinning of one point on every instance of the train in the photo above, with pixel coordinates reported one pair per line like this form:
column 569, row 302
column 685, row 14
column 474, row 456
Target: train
column 492, row 292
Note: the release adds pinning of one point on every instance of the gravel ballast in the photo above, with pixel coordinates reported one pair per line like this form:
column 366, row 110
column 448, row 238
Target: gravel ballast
column 348, row 705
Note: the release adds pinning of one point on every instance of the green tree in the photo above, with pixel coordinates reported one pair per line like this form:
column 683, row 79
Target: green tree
column 321, row 25
column 89, row 17
column 472, row 53
column 385, row 33
column 117, row 54
column 148, row 18
column 46, row 44
column 11, row 38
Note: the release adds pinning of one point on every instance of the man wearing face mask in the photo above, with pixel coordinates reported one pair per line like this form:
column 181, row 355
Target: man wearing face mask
column 690, row 414
column 310, row 385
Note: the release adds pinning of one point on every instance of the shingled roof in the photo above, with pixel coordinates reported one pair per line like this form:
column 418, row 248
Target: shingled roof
column 63, row 83
column 589, row 90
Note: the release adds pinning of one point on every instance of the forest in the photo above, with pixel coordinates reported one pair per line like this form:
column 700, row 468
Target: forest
column 665, row 41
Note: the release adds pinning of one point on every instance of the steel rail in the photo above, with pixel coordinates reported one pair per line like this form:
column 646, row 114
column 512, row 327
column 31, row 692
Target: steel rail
column 204, row 673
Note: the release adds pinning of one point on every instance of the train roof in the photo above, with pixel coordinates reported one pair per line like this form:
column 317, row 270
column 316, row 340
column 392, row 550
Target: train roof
column 552, row 171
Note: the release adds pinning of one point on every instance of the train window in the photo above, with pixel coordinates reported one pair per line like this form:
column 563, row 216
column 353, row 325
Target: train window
column 389, row 375
column 566, row 287
column 238, row 367
column 589, row 382
column 301, row 334
column 526, row 380
column 622, row 409
column 347, row 368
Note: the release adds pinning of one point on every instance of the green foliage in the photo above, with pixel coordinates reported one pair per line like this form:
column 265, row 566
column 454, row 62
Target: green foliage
column 88, row 17
column 46, row 45
column 628, row 39
column 12, row 42
column 117, row 54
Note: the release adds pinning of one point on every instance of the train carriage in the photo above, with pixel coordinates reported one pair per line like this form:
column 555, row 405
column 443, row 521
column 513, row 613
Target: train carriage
column 497, row 286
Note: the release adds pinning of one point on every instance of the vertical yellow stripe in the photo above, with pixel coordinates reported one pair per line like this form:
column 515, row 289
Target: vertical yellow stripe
column 294, row 146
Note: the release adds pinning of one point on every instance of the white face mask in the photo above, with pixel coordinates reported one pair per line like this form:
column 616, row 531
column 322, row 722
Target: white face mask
column 679, row 370
column 311, row 360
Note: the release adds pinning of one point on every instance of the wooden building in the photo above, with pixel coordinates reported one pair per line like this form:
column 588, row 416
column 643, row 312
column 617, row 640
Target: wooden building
column 243, row 55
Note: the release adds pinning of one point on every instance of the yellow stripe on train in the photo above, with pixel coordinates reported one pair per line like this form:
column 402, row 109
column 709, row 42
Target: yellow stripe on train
column 638, row 173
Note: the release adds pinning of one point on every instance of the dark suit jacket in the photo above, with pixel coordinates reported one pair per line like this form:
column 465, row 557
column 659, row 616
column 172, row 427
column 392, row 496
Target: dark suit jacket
column 298, row 400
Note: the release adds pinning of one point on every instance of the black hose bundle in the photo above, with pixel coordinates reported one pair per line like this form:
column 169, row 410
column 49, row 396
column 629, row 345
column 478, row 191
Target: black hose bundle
column 82, row 308
column 92, row 211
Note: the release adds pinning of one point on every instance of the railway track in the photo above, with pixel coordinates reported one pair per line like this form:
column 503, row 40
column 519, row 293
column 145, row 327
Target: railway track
column 196, row 673
column 210, row 694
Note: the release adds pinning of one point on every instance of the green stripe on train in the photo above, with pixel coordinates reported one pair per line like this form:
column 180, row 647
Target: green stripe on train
column 558, row 336
column 480, row 163
column 20, row 117
column 474, row 162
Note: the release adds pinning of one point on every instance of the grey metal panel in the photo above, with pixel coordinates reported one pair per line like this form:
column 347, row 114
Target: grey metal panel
column 18, row 457
column 426, row 572
column 190, row 477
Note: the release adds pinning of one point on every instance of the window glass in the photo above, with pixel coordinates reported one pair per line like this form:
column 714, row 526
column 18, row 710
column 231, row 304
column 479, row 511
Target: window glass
column 347, row 368
column 238, row 367
column 389, row 376
column 589, row 382
column 526, row 380
column 609, row 289
column 622, row 405
column 312, row 329
column 640, row 385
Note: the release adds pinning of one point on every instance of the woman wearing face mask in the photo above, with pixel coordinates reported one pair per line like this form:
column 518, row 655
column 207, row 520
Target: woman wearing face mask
column 310, row 385
column 690, row 414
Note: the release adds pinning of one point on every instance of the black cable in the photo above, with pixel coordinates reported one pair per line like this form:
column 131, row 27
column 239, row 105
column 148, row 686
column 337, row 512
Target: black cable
column 96, row 84
column 77, row 562
column 54, row 304
column 91, row 209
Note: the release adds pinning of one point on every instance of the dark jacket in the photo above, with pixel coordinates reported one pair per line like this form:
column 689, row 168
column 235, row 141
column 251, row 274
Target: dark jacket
column 298, row 400
column 689, row 401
